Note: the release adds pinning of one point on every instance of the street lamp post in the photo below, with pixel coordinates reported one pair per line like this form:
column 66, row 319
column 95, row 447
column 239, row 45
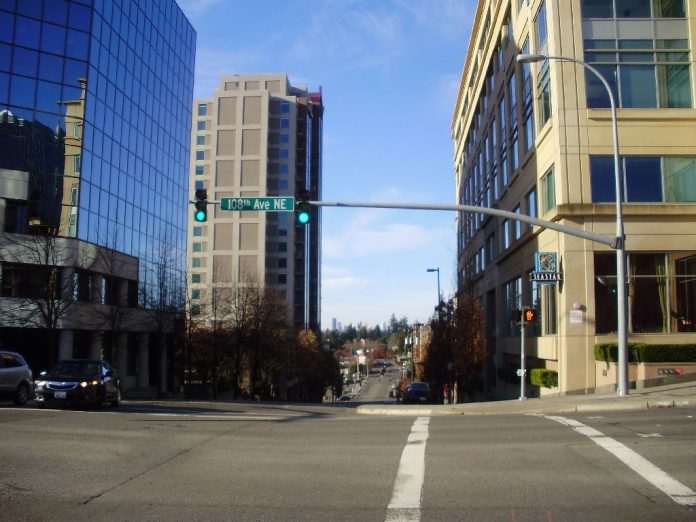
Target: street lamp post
column 622, row 331
column 438, row 282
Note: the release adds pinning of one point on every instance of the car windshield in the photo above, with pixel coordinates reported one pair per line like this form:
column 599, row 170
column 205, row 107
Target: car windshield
column 418, row 386
column 76, row 368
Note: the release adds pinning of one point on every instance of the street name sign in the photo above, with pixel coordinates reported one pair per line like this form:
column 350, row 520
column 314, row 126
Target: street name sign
column 267, row 204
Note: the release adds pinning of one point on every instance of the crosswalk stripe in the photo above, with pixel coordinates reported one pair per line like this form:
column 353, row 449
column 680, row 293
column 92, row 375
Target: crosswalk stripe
column 405, row 503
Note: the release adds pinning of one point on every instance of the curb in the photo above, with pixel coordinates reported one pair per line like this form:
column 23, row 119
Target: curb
column 621, row 405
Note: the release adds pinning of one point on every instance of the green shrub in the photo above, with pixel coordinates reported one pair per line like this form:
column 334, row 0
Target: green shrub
column 647, row 353
column 544, row 377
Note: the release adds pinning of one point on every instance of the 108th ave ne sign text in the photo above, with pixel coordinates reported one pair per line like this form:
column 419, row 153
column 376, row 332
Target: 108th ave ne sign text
column 269, row 204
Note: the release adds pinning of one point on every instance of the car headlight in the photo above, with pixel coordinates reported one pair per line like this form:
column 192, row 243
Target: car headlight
column 84, row 384
column 40, row 384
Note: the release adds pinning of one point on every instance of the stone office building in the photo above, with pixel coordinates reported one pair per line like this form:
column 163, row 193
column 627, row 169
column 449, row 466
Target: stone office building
column 536, row 138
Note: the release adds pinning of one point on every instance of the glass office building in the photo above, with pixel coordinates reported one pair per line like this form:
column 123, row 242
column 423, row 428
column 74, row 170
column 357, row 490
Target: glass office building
column 95, row 115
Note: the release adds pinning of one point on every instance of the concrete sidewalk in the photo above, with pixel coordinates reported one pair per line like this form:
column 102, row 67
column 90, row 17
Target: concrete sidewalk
column 668, row 396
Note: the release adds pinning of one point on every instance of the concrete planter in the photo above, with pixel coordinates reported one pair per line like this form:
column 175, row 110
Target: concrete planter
column 643, row 374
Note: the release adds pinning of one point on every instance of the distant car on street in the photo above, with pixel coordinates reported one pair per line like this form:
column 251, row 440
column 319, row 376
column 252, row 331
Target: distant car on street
column 15, row 377
column 89, row 382
column 344, row 398
column 417, row 393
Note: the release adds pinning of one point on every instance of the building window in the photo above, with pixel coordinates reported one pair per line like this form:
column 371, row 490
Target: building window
column 195, row 309
column 490, row 249
column 201, row 125
column 643, row 73
column 284, row 138
column 633, row 8
column 646, row 179
column 197, row 231
column 284, row 123
column 544, row 94
column 516, row 225
column 199, row 184
column 200, row 170
column 196, row 262
column 200, row 155
column 195, row 278
column 548, row 310
column 662, row 289
column 200, row 140
column 531, row 203
column 202, row 109
column 503, row 141
column 540, row 28
column 282, row 279
column 505, row 233
column 285, row 107
column 283, row 153
column 196, row 293
column 548, row 191
column 77, row 163
column 527, row 98
column 512, row 299
column 198, row 247
column 514, row 151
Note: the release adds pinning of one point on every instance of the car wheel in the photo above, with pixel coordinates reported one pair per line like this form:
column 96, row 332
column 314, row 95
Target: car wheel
column 22, row 394
column 117, row 401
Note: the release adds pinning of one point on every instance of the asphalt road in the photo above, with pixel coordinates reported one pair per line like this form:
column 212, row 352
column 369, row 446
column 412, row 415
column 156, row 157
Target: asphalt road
column 245, row 461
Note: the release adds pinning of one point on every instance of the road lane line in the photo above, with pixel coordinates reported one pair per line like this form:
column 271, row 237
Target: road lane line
column 405, row 503
column 677, row 491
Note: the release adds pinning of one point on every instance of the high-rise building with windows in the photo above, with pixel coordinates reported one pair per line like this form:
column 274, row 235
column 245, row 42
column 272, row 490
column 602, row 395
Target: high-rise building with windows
column 536, row 138
column 95, row 115
column 257, row 136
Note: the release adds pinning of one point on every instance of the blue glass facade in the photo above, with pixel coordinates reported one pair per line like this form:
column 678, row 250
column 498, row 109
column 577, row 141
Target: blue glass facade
column 95, row 105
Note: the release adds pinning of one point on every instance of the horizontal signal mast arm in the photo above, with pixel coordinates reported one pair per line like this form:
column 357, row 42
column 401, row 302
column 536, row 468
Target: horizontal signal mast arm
column 597, row 238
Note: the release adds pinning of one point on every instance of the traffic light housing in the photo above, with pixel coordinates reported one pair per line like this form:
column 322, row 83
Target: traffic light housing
column 302, row 207
column 200, row 215
column 530, row 315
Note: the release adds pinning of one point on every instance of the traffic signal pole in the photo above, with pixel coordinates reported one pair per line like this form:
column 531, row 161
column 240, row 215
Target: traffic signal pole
column 523, row 369
column 617, row 243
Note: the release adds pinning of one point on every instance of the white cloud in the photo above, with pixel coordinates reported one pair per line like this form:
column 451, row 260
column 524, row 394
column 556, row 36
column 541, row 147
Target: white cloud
column 370, row 234
column 194, row 8
column 335, row 278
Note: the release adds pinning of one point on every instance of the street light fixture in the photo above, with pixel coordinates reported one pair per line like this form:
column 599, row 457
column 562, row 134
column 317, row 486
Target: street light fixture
column 438, row 283
column 622, row 331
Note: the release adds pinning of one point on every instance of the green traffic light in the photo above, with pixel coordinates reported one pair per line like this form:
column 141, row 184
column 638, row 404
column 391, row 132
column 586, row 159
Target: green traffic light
column 200, row 216
column 303, row 218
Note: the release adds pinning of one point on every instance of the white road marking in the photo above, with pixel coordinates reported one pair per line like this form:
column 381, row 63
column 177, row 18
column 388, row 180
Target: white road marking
column 648, row 435
column 677, row 491
column 405, row 503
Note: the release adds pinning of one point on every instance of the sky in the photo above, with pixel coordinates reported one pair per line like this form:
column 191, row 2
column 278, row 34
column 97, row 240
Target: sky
column 389, row 71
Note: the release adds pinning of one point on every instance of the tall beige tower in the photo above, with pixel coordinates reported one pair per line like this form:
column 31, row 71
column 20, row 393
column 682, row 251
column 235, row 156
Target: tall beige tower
column 256, row 136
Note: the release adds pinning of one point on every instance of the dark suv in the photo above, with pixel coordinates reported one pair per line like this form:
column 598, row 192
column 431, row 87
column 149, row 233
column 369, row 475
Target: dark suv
column 78, row 382
column 15, row 377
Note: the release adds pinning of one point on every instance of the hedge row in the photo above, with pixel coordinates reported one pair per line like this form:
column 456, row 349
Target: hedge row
column 647, row 353
column 544, row 378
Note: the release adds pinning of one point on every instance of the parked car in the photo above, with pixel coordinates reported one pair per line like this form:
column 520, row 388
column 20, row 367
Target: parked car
column 417, row 393
column 15, row 377
column 78, row 382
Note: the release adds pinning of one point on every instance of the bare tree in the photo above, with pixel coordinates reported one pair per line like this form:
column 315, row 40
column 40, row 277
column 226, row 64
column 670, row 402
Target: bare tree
column 38, row 271
column 116, row 272
column 162, row 294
